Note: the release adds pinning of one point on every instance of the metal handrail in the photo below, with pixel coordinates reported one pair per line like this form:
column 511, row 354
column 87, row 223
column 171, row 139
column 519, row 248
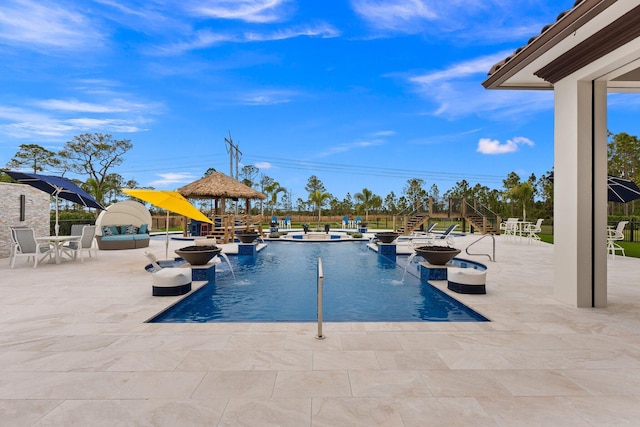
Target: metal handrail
column 494, row 247
column 320, row 278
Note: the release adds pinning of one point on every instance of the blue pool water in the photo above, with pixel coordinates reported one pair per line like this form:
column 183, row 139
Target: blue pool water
column 279, row 285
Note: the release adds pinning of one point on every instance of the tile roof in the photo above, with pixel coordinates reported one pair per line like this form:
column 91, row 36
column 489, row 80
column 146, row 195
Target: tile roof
column 566, row 23
column 498, row 65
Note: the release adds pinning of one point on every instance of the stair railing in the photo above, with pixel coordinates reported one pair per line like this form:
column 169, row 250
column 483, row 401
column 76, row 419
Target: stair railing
column 488, row 216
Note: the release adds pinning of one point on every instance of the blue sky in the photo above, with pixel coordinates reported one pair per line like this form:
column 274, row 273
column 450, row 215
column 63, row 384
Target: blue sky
column 360, row 93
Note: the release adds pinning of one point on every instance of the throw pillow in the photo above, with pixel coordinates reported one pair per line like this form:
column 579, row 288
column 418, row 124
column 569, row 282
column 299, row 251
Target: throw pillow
column 143, row 229
column 109, row 230
column 131, row 229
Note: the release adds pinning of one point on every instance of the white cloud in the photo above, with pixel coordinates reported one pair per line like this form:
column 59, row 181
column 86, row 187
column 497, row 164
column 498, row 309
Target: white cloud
column 266, row 97
column 254, row 11
column 465, row 22
column 324, row 31
column 170, row 179
column 204, row 39
column 51, row 127
column 343, row 148
column 384, row 133
column 43, row 25
column 457, row 91
column 397, row 15
column 263, row 165
column 493, row 146
column 200, row 40
column 78, row 106
column 109, row 125
column 476, row 66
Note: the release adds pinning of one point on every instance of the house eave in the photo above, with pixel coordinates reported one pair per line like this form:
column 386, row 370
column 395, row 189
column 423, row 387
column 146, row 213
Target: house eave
column 551, row 36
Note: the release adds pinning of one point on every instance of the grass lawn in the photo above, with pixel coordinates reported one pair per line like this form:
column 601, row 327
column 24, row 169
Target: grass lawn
column 631, row 249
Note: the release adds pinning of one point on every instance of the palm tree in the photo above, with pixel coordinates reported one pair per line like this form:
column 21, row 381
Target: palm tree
column 367, row 200
column 522, row 192
column 272, row 191
column 318, row 198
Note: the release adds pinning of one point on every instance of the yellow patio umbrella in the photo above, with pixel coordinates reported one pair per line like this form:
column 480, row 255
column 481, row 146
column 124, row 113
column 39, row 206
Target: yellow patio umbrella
column 171, row 201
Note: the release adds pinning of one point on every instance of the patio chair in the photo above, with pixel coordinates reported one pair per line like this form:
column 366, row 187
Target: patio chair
column 12, row 241
column 532, row 230
column 205, row 229
column 509, row 228
column 86, row 243
column 613, row 236
column 25, row 245
column 76, row 229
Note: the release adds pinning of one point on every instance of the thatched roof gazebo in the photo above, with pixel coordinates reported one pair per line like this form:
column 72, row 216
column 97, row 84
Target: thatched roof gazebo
column 219, row 187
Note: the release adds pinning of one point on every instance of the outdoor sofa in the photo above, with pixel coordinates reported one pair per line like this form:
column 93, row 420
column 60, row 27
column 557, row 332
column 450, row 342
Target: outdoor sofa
column 123, row 237
column 123, row 225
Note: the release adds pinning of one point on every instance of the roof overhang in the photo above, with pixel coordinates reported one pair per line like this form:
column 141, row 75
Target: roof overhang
column 595, row 40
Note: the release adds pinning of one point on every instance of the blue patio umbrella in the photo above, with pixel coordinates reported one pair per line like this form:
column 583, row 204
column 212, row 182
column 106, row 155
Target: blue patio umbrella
column 57, row 186
column 621, row 190
column 618, row 189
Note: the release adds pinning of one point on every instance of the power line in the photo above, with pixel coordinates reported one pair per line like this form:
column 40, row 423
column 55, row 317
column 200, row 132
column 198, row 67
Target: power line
column 177, row 163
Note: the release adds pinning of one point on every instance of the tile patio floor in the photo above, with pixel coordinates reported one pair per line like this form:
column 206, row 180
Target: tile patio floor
column 75, row 351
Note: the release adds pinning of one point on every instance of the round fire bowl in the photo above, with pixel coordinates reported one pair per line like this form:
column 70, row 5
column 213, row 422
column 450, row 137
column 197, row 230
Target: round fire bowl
column 247, row 237
column 437, row 255
column 387, row 236
column 198, row 255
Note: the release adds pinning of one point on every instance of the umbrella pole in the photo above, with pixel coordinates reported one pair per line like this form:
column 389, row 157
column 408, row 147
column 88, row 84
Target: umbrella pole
column 166, row 241
column 56, row 227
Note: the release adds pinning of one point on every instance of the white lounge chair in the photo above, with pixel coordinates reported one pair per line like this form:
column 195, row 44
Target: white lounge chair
column 613, row 236
column 86, row 243
column 446, row 236
column 169, row 281
column 25, row 245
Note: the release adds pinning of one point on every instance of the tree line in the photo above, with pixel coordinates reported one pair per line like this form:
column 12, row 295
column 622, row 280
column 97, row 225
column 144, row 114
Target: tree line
column 96, row 155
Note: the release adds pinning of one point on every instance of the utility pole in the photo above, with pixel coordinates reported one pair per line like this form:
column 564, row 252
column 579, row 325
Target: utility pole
column 234, row 152
column 237, row 155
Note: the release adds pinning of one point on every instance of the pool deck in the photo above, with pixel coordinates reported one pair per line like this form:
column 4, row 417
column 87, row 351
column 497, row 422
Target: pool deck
column 75, row 351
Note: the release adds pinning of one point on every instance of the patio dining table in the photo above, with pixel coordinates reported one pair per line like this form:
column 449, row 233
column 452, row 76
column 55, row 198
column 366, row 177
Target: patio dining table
column 58, row 243
column 518, row 229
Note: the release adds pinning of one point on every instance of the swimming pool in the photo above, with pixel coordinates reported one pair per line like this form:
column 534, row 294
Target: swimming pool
column 279, row 285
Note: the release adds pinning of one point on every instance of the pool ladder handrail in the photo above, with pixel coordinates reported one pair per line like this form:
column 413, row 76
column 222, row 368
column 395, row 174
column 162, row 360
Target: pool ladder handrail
column 482, row 237
column 319, row 335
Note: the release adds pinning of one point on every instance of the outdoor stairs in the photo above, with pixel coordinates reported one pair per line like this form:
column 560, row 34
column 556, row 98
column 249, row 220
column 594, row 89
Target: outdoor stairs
column 413, row 222
column 476, row 221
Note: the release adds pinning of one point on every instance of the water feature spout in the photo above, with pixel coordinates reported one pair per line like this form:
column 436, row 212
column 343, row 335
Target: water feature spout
column 226, row 258
column 411, row 257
